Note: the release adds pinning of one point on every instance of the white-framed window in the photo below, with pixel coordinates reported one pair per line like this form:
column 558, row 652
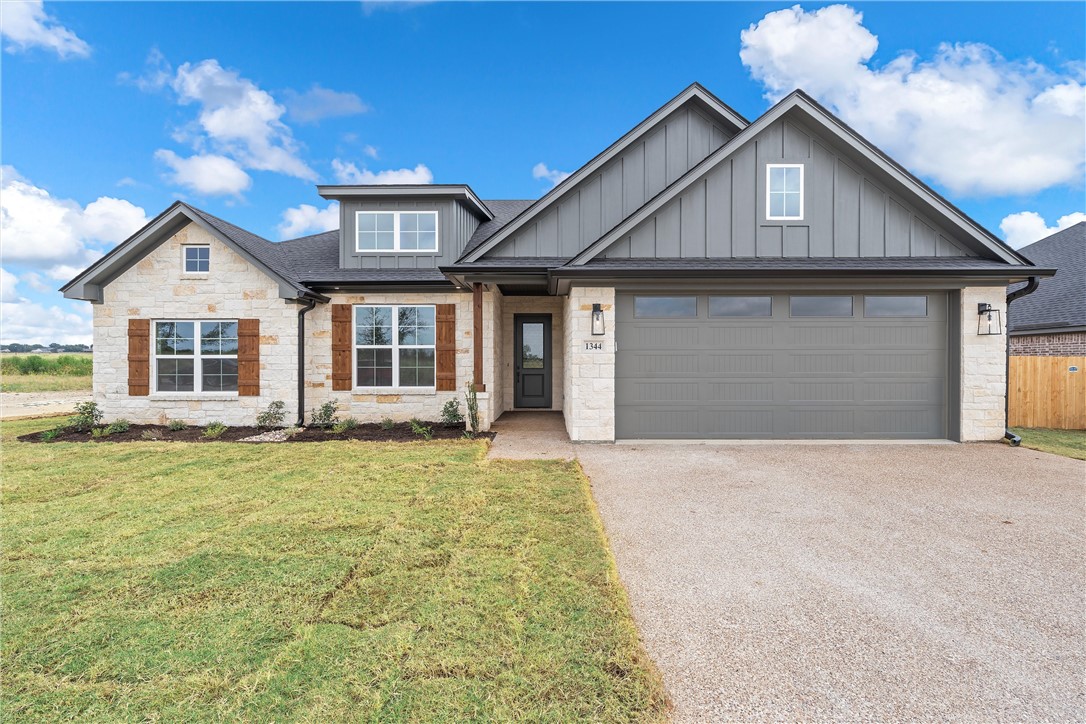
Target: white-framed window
column 396, row 231
column 196, row 258
column 195, row 355
column 784, row 191
column 395, row 346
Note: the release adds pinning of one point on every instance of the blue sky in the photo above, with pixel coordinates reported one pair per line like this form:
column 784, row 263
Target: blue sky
column 114, row 110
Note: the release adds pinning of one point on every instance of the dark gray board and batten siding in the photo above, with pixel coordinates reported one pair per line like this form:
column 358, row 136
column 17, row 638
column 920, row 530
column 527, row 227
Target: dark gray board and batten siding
column 599, row 202
column 455, row 225
column 847, row 211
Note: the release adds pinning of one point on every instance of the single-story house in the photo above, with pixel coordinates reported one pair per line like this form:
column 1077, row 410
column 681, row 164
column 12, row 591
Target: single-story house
column 705, row 276
column 1051, row 322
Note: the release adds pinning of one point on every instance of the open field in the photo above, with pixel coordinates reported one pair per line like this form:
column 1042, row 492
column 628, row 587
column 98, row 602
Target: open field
column 45, row 372
column 322, row 582
column 1069, row 443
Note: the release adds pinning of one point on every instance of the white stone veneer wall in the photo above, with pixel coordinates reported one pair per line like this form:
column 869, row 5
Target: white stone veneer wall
column 983, row 368
column 372, row 405
column 589, row 379
column 156, row 288
column 533, row 305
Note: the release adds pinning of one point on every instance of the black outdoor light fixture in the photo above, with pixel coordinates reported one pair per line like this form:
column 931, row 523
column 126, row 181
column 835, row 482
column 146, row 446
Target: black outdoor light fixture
column 597, row 320
column 989, row 319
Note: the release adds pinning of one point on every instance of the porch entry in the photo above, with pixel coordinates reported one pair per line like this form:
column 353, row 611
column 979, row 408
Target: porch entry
column 532, row 360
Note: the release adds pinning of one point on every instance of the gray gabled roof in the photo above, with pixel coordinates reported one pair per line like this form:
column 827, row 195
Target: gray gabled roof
column 504, row 211
column 1060, row 302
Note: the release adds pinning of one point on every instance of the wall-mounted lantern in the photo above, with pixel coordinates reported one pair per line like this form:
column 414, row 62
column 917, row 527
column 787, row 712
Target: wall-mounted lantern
column 597, row 320
column 989, row 322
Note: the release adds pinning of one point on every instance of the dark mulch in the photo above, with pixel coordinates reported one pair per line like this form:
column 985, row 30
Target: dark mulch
column 370, row 431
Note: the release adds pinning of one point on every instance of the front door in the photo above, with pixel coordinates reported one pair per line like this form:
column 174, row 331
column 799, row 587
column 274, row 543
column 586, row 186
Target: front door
column 532, row 360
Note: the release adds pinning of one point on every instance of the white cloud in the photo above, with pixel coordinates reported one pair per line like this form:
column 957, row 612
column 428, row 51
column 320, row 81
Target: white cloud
column 33, row 280
column 24, row 24
column 1026, row 227
column 370, row 151
column 540, row 171
column 967, row 118
column 239, row 119
column 206, row 174
column 32, row 323
column 41, row 230
column 349, row 173
column 319, row 103
column 306, row 219
column 8, row 282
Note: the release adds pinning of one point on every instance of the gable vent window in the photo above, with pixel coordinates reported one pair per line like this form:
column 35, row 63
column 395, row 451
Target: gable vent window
column 784, row 192
column 396, row 231
column 197, row 259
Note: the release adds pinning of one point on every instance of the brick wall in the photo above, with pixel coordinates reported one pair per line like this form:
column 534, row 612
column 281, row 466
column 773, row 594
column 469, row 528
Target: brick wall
column 1064, row 344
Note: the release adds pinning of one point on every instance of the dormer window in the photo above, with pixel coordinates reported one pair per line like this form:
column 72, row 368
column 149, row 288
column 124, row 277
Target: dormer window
column 396, row 231
column 784, row 192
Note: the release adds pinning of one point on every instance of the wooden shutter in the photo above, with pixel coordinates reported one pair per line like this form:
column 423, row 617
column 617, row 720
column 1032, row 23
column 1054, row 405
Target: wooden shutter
column 248, row 357
column 139, row 357
column 342, row 335
column 445, row 348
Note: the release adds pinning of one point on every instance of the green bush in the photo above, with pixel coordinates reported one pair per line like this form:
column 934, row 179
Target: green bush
column 118, row 426
column 87, row 415
column 101, row 432
column 324, row 416
column 68, row 365
column 424, row 431
column 387, row 423
column 215, row 430
column 450, row 414
column 51, row 434
column 176, row 425
column 473, row 409
column 149, row 435
column 344, row 425
column 273, row 416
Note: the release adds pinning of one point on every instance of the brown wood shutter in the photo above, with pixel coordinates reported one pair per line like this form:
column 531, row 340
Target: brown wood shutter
column 248, row 357
column 445, row 348
column 342, row 334
column 139, row 357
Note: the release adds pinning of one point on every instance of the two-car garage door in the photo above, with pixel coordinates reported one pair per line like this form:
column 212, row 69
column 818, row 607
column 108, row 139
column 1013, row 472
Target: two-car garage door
column 780, row 365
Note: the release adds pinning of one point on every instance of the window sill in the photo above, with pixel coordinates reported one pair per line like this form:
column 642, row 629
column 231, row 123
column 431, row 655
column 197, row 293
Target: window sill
column 189, row 396
column 195, row 275
column 394, row 391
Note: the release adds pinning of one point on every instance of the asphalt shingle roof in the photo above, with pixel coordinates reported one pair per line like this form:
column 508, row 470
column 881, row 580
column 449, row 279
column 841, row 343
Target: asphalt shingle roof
column 504, row 210
column 1059, row 301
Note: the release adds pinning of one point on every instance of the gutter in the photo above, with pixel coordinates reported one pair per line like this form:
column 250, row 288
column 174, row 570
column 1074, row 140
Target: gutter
column 310, row 302
column 1030, row 288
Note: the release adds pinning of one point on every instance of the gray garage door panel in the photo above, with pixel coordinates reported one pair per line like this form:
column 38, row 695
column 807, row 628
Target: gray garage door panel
column 782, row 377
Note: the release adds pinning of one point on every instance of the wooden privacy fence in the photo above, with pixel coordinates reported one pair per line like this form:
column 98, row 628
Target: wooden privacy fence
column 1046, row 393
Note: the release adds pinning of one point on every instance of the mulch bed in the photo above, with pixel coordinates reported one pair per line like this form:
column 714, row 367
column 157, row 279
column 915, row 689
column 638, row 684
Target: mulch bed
column 370, row 431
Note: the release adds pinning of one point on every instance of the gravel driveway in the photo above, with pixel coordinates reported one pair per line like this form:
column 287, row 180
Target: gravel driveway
column 853, row 582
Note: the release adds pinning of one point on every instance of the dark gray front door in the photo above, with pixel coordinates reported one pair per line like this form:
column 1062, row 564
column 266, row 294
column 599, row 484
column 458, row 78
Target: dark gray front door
column 532, row 360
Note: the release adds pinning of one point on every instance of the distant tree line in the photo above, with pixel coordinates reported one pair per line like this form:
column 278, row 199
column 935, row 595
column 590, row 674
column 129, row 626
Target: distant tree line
column 53, row 348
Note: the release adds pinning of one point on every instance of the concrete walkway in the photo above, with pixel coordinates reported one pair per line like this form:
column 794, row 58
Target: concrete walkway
column 531, row 436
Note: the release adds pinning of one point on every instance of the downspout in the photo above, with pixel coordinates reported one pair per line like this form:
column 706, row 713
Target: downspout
column 1030, row 288
column 310, row 303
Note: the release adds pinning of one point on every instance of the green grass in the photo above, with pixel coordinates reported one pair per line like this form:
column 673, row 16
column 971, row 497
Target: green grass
column 45, row 383
column 45, row 373
column 1069, row 443
column 318, row 582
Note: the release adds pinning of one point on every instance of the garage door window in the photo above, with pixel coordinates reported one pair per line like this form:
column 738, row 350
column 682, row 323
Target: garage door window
column 740, row 306
column 666, row 307
column 916, row 306
column 820, row 306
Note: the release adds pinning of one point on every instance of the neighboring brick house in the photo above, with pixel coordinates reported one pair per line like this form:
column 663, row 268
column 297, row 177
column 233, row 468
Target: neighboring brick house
column 702, row 277
column 1051, row 322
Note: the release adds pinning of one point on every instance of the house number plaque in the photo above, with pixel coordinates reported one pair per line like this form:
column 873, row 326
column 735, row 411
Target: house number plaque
column 593, row 346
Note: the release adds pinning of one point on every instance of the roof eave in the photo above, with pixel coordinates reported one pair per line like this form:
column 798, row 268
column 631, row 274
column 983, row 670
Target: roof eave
column 460, row 192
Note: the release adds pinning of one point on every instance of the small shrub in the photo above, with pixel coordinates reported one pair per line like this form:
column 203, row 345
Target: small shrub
column 292, row 431
column 149, row 435
column 53, row 434
column 118, row 426
column 387, row 423
column 473, row 409
column 325, row 415
column 176, row 425
column 87, row 415
column 344, row 425
column 450, row 414
column 215, row 430
column 273, row 416
column 97, row 432
column 424, row 431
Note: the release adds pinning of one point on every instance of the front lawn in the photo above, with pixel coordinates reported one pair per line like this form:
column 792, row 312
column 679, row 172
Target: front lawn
column 1069, row 443
column 321, row 582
